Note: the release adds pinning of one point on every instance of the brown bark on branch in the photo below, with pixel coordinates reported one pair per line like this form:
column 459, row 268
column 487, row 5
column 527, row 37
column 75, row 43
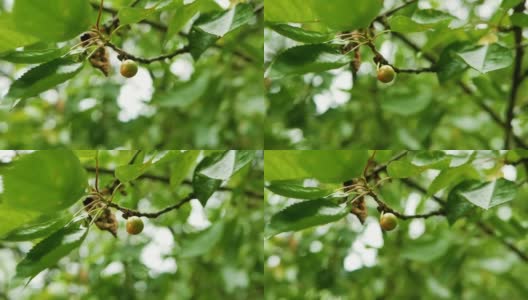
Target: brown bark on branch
column 127, row 212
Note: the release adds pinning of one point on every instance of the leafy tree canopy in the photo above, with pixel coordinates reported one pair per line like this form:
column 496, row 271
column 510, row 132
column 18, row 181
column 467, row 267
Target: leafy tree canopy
column 63, row 216
column 198, row 85
column 460, row 71
column 460, row 221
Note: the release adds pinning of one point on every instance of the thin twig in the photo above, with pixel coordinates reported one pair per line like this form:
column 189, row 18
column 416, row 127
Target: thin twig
column 370, row 160
column 383, row 207
column 99, row 15
column 415, row 71
column 127, row 55
column 379, row 58
column 394, row 10
column 127, row 212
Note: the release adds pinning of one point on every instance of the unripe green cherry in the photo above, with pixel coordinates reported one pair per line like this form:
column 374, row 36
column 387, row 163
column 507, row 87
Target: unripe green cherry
column 134, row 225
column 388, row 221
column 129, row 68
column 386, row 74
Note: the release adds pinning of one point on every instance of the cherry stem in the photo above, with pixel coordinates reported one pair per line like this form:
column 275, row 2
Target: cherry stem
column 99, row 15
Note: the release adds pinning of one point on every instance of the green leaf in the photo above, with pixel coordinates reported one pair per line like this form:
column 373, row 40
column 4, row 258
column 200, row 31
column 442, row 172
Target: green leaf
column 182, row 165
column 324, row 165
column 185, row 94
column 488, row 87
column 48, row 252
column 431, row 16
column 202, row 242
column 301, row 35
column 131, row 15
column 12, row 218
column 418, row 162
column 450, row 66
column 306, row 59
column 295, row 189
column 44, row 77
column 457, row 206
column 204, row 187
column 450, row 177
column 488, row 58
column 425, row 249
column 421, row 20
column 214, row 169
column 200, row 41
column 291, row 11
column 85, row 155
column 490, row 194
column 128, row 173
column 430, row 159
column 407, row 101
column 45, row 181
column 405, row 24
column 404, row 169
column 303, row 215
column 53, row 20
column 337, row 16
column 519, row 19
column 222, row 23
column 34, row 56
column 466, row 196
column 507, row 4
column 184, row 13
column 208, row 29
column 42, row 227
column 10, row 37
column 231, row 162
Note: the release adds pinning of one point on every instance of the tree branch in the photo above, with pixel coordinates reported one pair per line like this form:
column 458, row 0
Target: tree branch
column 415, row 71
column 383, row 207
column 166, row 180
column 127, row 213
column 516, row 78
column 124, row 54
column 379, row 58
